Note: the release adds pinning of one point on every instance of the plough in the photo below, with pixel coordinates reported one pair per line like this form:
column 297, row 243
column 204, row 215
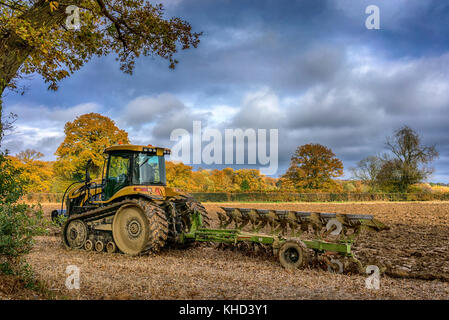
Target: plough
column 290, row 234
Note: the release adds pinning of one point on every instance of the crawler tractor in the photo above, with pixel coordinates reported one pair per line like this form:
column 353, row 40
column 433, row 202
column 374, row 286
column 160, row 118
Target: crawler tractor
column 131, row 210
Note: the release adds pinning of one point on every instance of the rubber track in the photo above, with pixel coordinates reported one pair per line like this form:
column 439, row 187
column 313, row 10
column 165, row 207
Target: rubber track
column 155, row 215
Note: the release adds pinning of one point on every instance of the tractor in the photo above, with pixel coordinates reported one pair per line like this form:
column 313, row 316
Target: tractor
column 130, row 209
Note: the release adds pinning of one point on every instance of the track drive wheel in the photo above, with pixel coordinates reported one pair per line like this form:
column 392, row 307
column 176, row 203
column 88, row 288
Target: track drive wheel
column 292, row 254
column 139, row 228
column 75, row 234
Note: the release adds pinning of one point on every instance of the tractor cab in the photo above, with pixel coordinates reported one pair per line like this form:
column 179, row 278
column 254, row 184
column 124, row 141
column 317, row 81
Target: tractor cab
column 129, row 165
column 129, row 171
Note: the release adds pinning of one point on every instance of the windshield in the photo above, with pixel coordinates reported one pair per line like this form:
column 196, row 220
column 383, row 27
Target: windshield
column 148, row 169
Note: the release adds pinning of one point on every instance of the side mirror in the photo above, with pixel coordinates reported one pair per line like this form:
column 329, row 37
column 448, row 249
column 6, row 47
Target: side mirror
column 89, row 162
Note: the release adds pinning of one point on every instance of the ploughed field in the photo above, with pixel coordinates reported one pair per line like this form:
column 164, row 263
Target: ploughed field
column 414, row 253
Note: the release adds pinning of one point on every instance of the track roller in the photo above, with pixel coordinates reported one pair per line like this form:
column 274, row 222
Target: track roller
column 88, row 245
column 99, row 246
column 111, row 247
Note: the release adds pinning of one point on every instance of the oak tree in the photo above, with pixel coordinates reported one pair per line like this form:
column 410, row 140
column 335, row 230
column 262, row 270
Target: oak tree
column 312, row 167
column 86, row 138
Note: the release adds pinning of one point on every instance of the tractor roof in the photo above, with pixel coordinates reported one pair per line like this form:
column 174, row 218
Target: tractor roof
column 136, row 148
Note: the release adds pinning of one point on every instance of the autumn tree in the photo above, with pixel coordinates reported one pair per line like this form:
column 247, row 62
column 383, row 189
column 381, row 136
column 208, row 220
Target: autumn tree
column 11, row 183
column 178, row 175
column 201, row 181
column 312, row 167
column 37, row 175
column 223, row 180
column 56, row 38
column 409, row 162
column 86, row 138
column 249, row 180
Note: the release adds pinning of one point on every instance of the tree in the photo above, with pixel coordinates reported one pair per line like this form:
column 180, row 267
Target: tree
column 410, row 160
column 86, row 138
column 367, row 171
column 29, row 155
column 249, row 180
column 178, row 175
column 6, row 124
column 38, row 175
column 39, row 36
column 312, row 168
column 223, row 180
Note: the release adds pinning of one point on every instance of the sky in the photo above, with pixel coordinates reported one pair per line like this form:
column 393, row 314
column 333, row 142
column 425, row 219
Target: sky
column 309, row 68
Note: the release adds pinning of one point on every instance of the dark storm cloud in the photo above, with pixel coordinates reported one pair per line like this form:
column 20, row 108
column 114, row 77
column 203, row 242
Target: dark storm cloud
column 286, row 45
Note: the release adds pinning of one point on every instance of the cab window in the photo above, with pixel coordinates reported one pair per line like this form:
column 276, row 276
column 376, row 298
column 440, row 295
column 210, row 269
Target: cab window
column 117, row 174
column 148, row 169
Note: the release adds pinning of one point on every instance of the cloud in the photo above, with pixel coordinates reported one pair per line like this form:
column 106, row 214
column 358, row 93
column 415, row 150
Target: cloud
column 146, row 109
column 259, row 109
column 27, row 112
column 42, row 127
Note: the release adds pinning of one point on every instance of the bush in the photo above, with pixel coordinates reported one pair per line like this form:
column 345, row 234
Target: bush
column 18, row 224
column 11, row 185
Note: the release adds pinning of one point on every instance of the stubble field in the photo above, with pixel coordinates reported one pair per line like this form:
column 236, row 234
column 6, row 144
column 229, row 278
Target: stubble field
column 415, row 253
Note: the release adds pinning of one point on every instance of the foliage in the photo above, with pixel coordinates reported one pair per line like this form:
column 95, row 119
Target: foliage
column 58, row 221
column 178, row 175
column 36, row 38
column 86, row 138
column 181, row 176
column 18, row 224
column 312, row 168
column 11, row 182
column 38, row 175
column 244, row 186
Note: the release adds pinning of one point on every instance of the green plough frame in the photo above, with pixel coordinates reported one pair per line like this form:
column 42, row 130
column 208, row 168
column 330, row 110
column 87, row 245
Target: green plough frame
column 234, row 236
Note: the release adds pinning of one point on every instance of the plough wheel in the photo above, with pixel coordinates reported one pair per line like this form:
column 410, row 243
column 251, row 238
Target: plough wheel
column 292, row 255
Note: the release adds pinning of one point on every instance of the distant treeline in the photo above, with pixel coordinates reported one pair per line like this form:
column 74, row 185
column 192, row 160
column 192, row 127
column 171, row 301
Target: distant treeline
column 277, row 197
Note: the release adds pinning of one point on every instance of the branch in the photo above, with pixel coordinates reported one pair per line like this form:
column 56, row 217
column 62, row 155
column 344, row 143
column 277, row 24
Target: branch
column 116, row 23
column 13, row 6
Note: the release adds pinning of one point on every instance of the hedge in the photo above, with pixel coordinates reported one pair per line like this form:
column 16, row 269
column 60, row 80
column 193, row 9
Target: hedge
column 277, row 197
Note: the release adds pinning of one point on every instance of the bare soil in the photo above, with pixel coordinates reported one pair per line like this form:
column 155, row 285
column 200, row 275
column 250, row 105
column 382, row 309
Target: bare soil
column 415, row 253
column 14, row 288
